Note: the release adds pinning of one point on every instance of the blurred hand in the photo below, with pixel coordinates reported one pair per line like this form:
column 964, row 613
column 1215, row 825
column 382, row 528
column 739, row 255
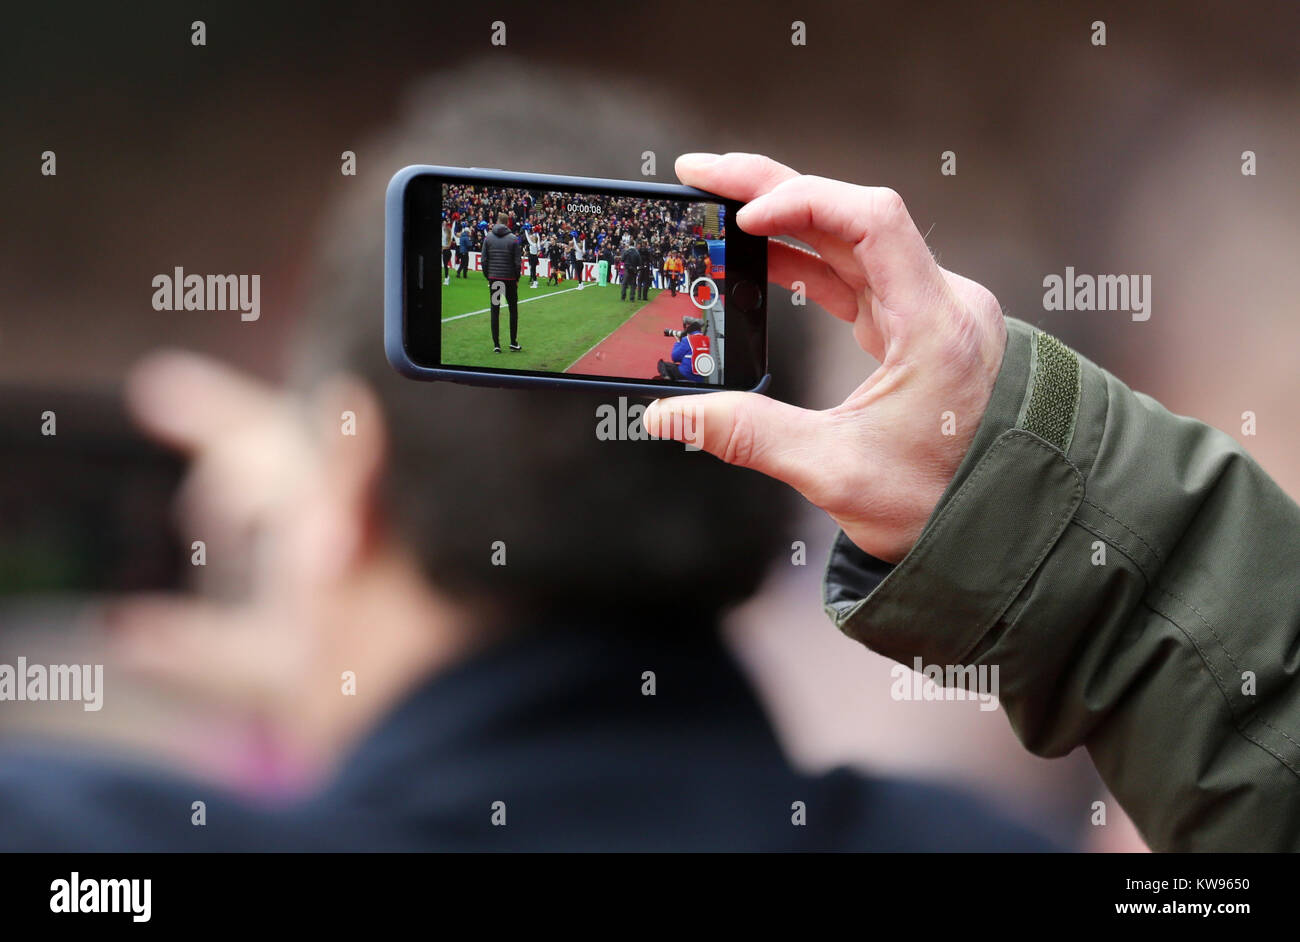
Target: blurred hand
column 303, row 581
column 878, row 462
column 246, row 448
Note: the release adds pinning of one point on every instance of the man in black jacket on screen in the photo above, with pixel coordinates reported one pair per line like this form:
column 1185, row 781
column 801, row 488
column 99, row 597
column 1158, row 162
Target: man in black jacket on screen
column 631, row 271
column 502, row 258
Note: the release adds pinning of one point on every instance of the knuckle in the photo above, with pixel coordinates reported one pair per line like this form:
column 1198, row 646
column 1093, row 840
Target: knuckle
column 885, row 213
column 744, row 160
column 797, row 185
column 833, row 491
column 985, row 323
column 842, row 483
column 738, row 446
column 759, row 161
column 678, row 421
column 960, row 344
column 985, row 305
column 889, row 206
column 973, row 340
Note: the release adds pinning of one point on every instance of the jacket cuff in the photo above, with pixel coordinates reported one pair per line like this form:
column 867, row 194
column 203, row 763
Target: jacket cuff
column 1005, row 508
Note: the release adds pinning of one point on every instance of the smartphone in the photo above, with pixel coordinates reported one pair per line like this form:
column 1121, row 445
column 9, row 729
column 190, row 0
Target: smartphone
column 495, row 278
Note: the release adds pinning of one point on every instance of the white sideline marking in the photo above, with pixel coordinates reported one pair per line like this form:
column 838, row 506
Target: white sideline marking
column 539, row 297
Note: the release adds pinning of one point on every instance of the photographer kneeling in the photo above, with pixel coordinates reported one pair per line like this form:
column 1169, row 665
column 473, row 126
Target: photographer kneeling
column 692, row 343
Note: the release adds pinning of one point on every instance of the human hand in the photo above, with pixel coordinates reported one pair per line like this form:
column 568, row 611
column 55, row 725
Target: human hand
column 878, row 462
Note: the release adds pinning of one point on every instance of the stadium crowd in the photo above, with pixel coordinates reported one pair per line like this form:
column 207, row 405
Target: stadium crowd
column 571, row 229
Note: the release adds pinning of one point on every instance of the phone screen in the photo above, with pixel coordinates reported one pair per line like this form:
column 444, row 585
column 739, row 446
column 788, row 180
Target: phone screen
column 605, row 285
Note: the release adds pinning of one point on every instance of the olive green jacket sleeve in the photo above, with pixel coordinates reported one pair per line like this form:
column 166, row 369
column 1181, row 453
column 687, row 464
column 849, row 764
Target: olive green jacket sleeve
column 1134, row 576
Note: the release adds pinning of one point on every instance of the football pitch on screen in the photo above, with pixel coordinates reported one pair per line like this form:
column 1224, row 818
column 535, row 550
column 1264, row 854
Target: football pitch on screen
column 557, row 324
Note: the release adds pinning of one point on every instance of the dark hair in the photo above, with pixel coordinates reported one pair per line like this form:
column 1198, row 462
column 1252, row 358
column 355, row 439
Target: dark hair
column 624, row 529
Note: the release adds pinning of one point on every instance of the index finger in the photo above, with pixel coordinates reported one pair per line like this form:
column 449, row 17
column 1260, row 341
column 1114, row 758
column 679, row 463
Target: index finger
column 745, row 177
column 188, row 401
column 890, row 251
column 733, row 176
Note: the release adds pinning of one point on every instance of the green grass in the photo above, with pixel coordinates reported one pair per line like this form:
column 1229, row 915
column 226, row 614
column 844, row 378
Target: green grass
column 554, row 331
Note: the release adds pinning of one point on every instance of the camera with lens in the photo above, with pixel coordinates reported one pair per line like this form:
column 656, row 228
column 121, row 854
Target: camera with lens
column 690, row 325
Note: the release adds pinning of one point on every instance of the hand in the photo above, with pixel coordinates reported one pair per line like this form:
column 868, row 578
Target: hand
column 246, row 449
column 878, row 462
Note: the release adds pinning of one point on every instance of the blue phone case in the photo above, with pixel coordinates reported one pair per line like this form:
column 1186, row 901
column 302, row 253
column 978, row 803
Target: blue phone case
column 393, row 230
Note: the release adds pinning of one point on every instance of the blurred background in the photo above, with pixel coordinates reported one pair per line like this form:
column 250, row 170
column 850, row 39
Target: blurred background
column 1122, row 158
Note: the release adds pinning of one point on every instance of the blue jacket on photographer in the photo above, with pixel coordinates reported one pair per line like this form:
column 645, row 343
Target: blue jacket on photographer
column 692, row 343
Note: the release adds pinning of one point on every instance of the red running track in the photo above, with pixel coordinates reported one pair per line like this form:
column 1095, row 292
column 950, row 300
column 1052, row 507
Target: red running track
column 636, row 347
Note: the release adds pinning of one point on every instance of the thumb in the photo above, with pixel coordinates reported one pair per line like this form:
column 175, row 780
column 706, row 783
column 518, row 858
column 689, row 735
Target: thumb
column 744, row 429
